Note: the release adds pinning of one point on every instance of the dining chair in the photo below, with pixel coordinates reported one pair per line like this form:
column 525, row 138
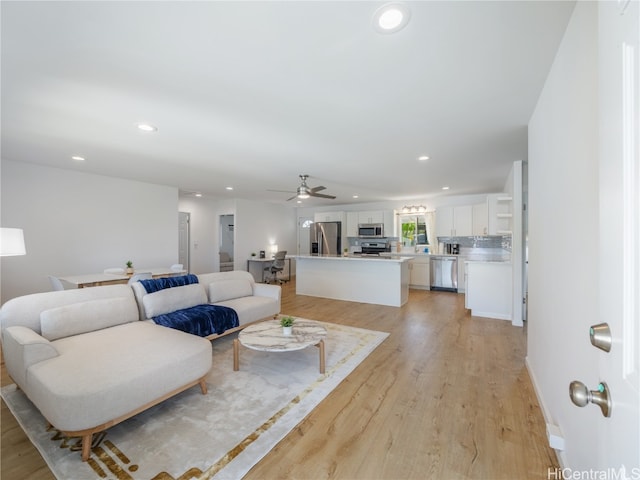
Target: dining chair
column 56, row 283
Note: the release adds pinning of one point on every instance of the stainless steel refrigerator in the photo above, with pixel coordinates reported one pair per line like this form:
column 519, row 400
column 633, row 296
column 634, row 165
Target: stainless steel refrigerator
column 326, row 238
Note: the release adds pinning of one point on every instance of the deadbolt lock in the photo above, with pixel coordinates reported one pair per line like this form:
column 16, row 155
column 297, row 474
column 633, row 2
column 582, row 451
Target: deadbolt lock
column 600, row 336
column 581, row 396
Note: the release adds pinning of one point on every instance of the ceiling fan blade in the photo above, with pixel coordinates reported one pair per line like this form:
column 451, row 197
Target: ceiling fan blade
column 321, row 195
column 295, row 196
column 317, row 189
column 284, row 191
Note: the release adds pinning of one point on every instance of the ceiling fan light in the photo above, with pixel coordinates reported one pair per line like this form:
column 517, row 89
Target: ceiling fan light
column 303, row 192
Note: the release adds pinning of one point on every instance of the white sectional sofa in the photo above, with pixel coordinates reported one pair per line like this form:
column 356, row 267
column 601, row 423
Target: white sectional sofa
column 89, row 359
column 236, row 289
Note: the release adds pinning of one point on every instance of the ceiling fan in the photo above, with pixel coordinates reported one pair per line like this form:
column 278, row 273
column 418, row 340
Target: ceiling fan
column 304, row 191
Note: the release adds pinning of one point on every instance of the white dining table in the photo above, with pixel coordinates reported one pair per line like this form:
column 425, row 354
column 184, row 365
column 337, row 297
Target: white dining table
column 97, row 279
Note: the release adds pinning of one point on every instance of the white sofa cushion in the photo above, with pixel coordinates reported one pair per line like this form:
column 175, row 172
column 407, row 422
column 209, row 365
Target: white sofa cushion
column 88, row 316
column 172, row 299
column 25, row 311
column 131, row 365
column 229, row 289
column 250, row 309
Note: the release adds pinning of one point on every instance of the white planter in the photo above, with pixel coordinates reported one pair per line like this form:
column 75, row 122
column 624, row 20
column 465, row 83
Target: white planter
column 287, row 330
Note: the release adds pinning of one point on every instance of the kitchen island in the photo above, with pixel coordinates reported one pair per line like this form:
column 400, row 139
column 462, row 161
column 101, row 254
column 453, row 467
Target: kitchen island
column 377, row 280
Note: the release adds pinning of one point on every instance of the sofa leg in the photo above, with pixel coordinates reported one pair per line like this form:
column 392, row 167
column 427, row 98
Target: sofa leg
column 86, row 446
column 203, row 386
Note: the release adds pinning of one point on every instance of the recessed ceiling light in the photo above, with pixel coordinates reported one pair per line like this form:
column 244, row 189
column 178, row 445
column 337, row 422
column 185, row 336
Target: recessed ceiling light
column 355, row 196
column 391, row 18
column 445, row 188
column 146, row 127
column 197, row 194
column 78, row 158
column 423, row 158
column 228, row 188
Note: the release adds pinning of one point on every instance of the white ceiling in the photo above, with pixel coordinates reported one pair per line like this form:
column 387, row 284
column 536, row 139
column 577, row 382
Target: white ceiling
column 252, row 94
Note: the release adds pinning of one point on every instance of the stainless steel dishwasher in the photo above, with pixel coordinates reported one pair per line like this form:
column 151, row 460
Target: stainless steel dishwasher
column 444, row 273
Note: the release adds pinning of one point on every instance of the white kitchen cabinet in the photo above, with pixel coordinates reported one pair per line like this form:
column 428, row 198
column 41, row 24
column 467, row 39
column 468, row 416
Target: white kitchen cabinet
column 352, row 224
column 454, row 221
column 328, row 217
column 419, row 272
column 444, row 221
column 462, row 274
column 387, row 218
column 489, row 289
column 371, row 216
column 481, row 219
column 389, row 223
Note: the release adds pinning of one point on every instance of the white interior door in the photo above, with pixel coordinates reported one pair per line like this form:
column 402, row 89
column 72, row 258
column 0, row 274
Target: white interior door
column 618, row 437
column 304, row 227
column 183, row 240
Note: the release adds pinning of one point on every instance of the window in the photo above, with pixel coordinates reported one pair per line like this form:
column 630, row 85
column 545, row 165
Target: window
column 416, row 229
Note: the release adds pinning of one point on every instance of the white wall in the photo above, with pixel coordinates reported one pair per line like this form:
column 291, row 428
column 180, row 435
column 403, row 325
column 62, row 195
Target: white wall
column 563, row 232
column 257, row 225
column 76, row 223
column 204, row 225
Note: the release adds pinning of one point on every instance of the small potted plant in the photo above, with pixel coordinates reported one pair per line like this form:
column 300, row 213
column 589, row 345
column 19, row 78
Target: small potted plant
column 346, row 252
column 253, row 254
column 129, row 267
column 287, row 325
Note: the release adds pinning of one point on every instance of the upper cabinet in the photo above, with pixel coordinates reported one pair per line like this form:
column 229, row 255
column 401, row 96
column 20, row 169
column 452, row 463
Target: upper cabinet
column 454, row 221
column 328, row 217
column 385, row 217
column 481, row 219
column 373, row 216
column 352, row 224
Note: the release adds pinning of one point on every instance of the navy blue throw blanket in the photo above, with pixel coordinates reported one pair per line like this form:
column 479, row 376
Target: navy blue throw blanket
column 158, row 284
column 202, row 320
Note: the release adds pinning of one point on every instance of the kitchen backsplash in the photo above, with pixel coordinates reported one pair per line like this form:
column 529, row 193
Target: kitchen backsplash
column 489, row 241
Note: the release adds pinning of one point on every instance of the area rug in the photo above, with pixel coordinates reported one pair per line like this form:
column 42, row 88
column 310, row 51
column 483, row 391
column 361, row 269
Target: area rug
column 220, row 435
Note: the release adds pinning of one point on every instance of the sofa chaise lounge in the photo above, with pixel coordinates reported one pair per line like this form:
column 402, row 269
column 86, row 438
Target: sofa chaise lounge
column 89, row 358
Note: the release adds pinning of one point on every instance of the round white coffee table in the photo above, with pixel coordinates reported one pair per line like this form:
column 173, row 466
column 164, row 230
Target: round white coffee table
column 268, row 336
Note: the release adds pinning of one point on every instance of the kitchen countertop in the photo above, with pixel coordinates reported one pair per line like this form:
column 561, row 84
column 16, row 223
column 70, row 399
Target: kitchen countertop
column 464, row 257
column 508, row 262
column 355, row 258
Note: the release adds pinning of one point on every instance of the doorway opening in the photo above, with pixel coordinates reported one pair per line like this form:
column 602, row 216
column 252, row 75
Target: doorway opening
column 227, row 228
column 184, row 234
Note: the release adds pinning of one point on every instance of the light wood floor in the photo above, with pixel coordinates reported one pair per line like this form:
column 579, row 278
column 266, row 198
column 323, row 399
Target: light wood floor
column 446, row 396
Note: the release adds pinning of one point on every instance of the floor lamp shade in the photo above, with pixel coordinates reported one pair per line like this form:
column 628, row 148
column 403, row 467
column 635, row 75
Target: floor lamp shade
column 11, row 242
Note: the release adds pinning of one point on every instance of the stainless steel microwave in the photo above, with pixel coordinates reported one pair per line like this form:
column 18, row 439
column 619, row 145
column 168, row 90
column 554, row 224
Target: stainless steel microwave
column 371, row 230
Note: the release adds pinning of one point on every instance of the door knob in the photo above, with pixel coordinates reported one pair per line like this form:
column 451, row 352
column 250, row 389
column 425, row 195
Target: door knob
column 581, row 396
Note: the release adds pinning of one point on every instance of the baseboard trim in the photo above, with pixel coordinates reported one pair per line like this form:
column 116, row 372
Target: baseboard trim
column 562, row 460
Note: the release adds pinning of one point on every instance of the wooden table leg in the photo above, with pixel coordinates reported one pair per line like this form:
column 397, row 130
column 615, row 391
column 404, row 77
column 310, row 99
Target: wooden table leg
column 321, row 348
column 236, row 360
